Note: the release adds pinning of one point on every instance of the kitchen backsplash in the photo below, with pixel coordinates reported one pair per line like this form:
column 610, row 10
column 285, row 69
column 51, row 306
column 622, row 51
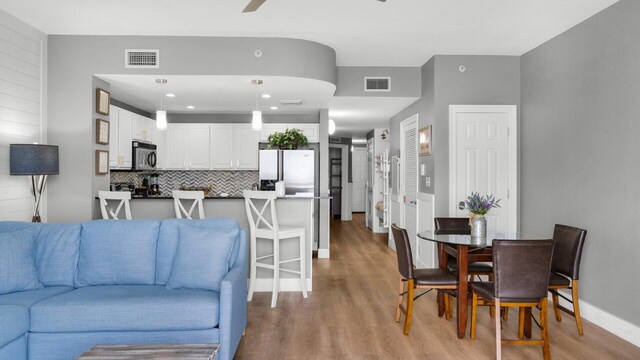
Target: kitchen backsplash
column 230, row 182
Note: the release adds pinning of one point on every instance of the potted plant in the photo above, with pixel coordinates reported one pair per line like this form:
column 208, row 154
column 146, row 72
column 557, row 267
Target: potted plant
column 478, row 206
column 290, row 139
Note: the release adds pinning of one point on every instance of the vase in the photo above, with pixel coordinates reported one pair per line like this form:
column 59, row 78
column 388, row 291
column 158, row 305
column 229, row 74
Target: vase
column 478, row 226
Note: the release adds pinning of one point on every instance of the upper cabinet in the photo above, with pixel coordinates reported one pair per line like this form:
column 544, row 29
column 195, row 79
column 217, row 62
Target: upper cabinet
column 120, row 138
column 222, row 149
column 143, row 128
column 245, row 143
column 311, row 131
column 234, row 147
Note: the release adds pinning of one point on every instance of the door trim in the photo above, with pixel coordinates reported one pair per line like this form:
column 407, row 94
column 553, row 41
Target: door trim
column 512, row 155
column 403, row 164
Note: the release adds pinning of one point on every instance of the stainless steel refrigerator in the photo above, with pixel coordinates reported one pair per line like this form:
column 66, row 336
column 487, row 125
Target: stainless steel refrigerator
column 297, row 168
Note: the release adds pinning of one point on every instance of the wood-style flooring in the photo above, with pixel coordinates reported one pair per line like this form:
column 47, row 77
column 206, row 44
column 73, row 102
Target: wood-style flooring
column 350, row 315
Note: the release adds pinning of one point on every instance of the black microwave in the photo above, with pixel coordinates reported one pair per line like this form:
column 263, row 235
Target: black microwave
column 145, row 156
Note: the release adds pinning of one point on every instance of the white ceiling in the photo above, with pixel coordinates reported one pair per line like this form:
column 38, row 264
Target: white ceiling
column 363, row 32
column 355, row 116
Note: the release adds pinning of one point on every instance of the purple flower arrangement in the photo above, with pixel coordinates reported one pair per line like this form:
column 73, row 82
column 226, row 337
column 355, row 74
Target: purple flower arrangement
column 480, row 205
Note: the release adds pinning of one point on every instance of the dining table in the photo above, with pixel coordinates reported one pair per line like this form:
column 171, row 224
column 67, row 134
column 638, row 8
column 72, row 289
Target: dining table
column 465, row 249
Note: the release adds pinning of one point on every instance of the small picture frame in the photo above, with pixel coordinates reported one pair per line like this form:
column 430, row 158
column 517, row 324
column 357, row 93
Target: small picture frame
column 102, row 162
column 103, row 99
column 102, row 132
column 424, row 141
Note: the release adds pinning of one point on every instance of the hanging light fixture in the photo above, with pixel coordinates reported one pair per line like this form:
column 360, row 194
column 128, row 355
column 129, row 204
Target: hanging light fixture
column 332, row 126
column 256, row 118
column 161, row 114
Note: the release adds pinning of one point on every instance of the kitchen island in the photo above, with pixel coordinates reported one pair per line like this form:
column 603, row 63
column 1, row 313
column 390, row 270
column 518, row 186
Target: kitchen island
column 292, row 211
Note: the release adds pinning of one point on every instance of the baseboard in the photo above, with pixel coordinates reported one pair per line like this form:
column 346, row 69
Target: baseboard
column 323, row 253
column 603, row 319
column 266, row 285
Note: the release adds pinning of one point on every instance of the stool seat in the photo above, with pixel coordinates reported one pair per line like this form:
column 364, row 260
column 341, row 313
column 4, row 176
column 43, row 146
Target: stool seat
column 284, row 232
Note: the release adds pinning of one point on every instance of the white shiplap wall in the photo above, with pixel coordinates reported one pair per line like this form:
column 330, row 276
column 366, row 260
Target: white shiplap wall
column 22, row 108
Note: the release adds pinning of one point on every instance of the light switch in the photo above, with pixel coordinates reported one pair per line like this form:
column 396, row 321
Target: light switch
column 427, row 181
column 422, row 170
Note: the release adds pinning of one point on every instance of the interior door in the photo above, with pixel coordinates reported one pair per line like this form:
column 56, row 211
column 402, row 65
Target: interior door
column 409, row 178
column 481, row 160
column 359, row 173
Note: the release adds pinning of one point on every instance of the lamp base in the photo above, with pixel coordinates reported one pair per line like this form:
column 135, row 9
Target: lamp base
column 36, row 219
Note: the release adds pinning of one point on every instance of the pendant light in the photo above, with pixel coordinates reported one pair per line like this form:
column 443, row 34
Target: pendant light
column 256, row 118
column 161, row 114
column 332, row 126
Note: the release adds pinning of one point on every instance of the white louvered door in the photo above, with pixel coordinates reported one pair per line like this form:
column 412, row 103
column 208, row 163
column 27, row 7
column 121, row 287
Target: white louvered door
column 409, row 178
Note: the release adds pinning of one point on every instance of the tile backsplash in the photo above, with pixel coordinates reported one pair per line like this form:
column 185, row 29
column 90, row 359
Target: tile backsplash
column 230, row 182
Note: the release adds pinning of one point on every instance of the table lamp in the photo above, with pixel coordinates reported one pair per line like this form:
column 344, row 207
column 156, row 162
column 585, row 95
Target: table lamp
column 35, row 160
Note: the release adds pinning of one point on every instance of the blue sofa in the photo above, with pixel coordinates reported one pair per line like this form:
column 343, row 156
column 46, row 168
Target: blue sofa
column 123, row 282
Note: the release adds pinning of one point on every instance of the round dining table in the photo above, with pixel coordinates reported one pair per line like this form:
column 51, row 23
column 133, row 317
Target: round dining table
column 465, row 249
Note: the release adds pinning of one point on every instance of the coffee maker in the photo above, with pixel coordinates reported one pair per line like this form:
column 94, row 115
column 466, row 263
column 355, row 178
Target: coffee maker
column 154, row 185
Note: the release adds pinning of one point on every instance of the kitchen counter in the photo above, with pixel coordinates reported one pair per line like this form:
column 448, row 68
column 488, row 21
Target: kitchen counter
column 288, row 197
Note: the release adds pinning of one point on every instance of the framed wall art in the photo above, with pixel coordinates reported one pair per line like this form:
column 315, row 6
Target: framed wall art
column 424, row 139
column 103, row 99
column 102, row 132
column 102, row 162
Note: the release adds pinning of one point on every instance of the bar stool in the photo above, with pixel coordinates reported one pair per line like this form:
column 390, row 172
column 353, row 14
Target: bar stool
column 261, row 227
column 196, row 196
column 123, row 196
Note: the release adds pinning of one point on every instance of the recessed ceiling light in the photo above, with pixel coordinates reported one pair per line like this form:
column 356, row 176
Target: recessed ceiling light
column 274, row 108
column 171, row 95
column 191, row 107
column 266, row 96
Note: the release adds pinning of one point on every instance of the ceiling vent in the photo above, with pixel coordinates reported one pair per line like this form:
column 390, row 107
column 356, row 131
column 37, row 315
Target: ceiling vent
column 377, row 83
column 335, row 140
column 291, row 102
column 141, row 59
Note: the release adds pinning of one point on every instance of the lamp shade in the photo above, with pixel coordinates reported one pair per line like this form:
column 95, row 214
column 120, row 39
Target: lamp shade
column 33, row 159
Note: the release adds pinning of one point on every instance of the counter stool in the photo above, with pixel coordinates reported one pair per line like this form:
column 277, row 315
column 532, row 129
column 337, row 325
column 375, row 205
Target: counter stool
column 261, row 227
column 123, row 196
column 196, row 196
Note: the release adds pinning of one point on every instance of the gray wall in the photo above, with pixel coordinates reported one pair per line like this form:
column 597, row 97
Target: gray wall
column 405, row 81
column 581, row 100
column 73, row 60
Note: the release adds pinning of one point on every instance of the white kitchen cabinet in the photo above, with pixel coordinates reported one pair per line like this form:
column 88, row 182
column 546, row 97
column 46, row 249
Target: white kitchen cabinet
column 142, row 128
column 245, row 143
column 222, row 149
column 198, row 146
column 113, row 137
column 159, row 139
column 175, row 145
column 311, row 131
column 125, row 138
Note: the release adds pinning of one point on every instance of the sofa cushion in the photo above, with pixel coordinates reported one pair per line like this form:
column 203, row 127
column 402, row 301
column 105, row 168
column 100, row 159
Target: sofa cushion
column 168, row 242
column 56, row 250
column 202, row 258
column 15, row 350
column 14, row 321
column 116, row 252
column 18, row 262
column 28, row 298
column 126, row 308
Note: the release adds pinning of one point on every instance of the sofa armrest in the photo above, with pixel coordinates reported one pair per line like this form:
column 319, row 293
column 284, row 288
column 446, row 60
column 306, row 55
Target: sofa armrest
column 233, row 303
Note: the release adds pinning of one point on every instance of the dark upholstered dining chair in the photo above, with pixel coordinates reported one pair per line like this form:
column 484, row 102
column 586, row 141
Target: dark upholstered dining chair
column 521, row 276
column 416, row 278
column 565, row 269
column 461, row 226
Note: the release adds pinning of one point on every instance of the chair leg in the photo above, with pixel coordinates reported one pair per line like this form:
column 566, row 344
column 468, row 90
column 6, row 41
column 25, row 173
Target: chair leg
column 546, row 350
column 474, row 315
column 449, row 308
column 576, row 306
column 492, row 309
column 303, row 265
column 556, row 311
column 276, row 272
column 521, row 324
column 252, row 269
column 498, row 333
column 407, row 320
column 400, row 296
column 505, row 313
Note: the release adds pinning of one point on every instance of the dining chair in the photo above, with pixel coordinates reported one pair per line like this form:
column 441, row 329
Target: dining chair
column 123, row 196
column 521, row 271
column 197, row 198
column 263, row 224
column 565, row 269
column 428, row 279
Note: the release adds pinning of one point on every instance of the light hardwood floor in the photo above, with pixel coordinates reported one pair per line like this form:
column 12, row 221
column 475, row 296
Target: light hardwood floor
column 349, row 315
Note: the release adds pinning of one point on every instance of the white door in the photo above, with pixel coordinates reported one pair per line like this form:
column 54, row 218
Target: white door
column 483, row 158
column 175, row 144
column 125, row 137
column 246, row 147
column 359, row 178
column 114, row 156
column 409, row 178
column 199, row 150
column 222, row 146
column 369, row 186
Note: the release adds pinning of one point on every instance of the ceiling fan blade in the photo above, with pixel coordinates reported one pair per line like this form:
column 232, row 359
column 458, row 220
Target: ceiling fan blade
column 253, row 5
